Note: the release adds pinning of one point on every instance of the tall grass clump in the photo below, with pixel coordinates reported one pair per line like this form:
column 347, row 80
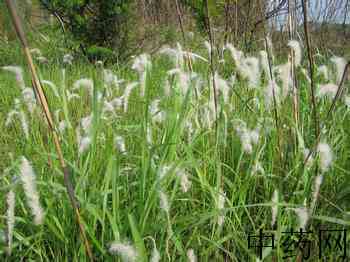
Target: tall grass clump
column 161, row 170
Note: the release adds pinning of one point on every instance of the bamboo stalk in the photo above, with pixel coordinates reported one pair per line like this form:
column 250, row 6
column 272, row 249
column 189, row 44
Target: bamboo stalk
column 40, row 95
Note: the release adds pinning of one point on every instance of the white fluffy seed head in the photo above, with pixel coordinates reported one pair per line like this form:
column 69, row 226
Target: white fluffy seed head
column 258, row 168
column 208, row 47
column 28, row 179
column 316, row 190
column 347, row 101
column 110, row 79
column 340, row 64
column 220, row 202
column 18, row 74
column 141, row 64
column 271, row 90
column 29, row 98
column 323, row 70
column 248, row 137
column 52, row 86
column 274, row 209
column 167, row 88
column 119, row 143
column 24, row 123
column 10, row 117
column 303, row 216
column 222, row 87
column 85, row 83
column 126, row 251
column 127, row 93
column 191, row 255
column 155, row 257
column 328, row 90
column 163, row 171
column 158, row 116
column 264, row 62
column 86, row 124
column 164, row 203
column 236, row 54
column 10, row 219
column 295, row 46
column 67, row 59
column 184, row 180
column 253, row 72
column 84, row 144
column 326, row 156
column 286, row 77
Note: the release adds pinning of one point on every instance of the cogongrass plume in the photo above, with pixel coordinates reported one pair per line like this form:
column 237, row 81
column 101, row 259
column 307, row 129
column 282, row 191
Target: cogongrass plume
column 35, row 51
column 177, row 55
column 155, row 256
column 295, row 46
column 274, row 208
column 316, row 190
column 119, row 143
column 220, row 204
column 167, row 88
column 303, row 216
column 248, row 137
column 110, row 79
column 323, row 70
column 67, row 59
column 347, row 101
column 184, row 180
column 326, row 156
column 86, row 124
column 112, row 106
column 163, row 171
column 271, row 90
column 10, row 219
column 18, row 74
column 126, row 95
column 85, row 83
column 223, row 87
column 17, row 111
column 164, row 202
column 264, row 62
column 141, row 64
column 28, row 179
column 340, row 64
column 191, row 255
column 29, row 99
column 52, row 86
column 126, row 251
column 251, row 70
column 83, row 144
column 327, row 90
column 258, row 168
column 71, row 96
column 149, row 136
column 157, row 115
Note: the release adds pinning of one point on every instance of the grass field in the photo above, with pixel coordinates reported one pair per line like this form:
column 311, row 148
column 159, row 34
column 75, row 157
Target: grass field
column 164, row 174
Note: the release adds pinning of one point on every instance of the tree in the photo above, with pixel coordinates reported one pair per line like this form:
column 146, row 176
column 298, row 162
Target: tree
column 102, row 27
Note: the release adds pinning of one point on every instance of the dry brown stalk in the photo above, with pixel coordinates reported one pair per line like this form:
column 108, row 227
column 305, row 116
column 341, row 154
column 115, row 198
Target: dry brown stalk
column 179, row 16
column 40, row 95
column 311, row 69
column 211, row 41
